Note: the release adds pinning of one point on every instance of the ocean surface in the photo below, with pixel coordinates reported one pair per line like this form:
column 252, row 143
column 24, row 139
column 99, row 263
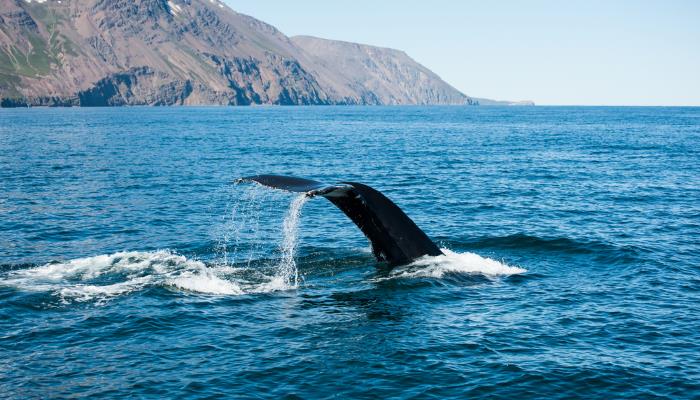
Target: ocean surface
column 132, row 265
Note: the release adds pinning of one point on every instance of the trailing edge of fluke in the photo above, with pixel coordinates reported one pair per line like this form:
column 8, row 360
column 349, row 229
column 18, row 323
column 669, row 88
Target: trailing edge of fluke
column 395, row 238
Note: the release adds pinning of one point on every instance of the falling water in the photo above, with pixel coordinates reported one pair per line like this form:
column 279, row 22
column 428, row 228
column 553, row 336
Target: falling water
column 288, row 268
column 240, row 224
column 243, row 241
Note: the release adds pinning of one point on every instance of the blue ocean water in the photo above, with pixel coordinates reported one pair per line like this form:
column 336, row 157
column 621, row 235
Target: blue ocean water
column 132, row 265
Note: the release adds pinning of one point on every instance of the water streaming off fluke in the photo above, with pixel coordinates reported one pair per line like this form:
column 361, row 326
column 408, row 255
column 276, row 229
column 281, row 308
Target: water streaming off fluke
column 288, row 270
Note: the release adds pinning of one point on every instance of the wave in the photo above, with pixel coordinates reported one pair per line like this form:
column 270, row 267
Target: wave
column 453, row 262
column 554, row 244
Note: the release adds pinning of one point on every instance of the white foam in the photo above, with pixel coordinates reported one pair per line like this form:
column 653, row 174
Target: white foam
column 453, row 262
column 82, row 292
column 121, row 273
column 158, row 262
column 275, row 284
column 206, row 283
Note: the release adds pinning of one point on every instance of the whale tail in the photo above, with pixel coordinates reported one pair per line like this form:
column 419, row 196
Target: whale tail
column 395, row 238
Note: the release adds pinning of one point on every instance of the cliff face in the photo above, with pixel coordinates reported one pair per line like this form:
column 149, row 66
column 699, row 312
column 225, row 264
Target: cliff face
column 190, row 52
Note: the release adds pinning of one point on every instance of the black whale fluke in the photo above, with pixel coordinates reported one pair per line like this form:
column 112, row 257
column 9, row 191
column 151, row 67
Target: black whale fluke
column 395, row 238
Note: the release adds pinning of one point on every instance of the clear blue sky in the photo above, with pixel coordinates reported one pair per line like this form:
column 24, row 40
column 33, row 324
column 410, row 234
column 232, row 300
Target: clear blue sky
column 553, row 52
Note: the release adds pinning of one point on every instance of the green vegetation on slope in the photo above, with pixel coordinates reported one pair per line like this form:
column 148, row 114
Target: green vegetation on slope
column 9, row 85
column 39, row 58
column 5, row 62
column 42, row 54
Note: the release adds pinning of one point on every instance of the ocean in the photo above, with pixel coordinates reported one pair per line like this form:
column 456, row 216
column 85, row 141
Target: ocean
column 133, row 265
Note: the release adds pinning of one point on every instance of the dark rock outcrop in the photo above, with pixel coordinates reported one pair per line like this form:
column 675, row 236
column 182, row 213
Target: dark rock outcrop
column 138, row 86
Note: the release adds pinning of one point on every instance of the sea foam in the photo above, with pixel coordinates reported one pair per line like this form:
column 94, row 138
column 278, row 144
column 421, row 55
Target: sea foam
column 453, row 262
column 105, row 276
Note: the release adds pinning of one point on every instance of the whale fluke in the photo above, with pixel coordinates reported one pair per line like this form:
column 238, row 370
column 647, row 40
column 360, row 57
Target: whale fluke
column 395, row 238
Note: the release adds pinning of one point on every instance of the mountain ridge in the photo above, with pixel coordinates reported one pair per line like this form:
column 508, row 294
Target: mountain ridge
column 191, row 52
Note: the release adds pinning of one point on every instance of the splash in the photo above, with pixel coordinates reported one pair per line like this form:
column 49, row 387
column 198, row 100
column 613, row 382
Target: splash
column 453, row 262
column 241, row 225
column 239, row 270
column 288, row 272
column 243, row 240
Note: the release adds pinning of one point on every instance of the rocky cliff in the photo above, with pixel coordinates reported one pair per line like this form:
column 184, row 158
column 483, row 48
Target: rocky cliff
column 190, row 52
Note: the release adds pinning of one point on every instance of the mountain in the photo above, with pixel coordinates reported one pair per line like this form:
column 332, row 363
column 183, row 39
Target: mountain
column 190, row 52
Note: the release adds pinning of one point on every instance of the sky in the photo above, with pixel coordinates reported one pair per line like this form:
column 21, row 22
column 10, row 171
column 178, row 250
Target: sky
column 623, row 52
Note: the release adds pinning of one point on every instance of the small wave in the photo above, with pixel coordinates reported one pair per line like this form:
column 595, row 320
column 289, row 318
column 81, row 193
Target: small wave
column 606, row 251
column 523, row 241
column 453, row 262
column 102, row 277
